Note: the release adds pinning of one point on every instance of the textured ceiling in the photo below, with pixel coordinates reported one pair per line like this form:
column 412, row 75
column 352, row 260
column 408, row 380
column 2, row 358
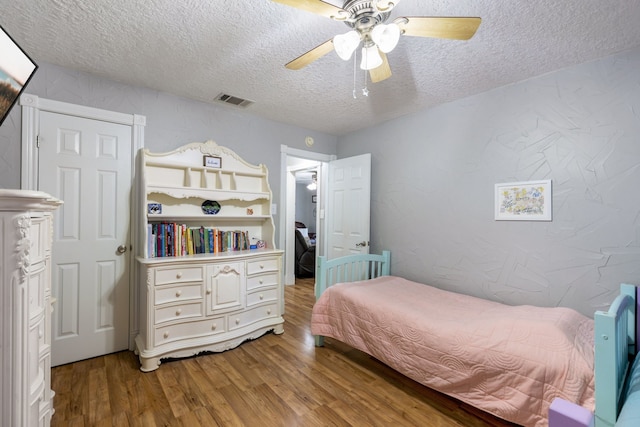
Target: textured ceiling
column 199, row 48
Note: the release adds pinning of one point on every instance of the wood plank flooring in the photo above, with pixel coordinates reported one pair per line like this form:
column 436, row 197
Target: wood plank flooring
column 276, row 380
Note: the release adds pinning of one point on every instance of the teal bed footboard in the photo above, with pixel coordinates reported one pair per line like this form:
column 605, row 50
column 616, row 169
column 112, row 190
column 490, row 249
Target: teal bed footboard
column 617, row 378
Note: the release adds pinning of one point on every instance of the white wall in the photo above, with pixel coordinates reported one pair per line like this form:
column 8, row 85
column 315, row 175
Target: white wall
column 171, row 122
column 433, row 188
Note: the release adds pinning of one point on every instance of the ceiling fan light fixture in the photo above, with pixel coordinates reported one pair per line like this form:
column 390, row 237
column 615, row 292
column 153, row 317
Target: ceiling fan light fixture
column 370, row 57
column 345, row 44
column 386, row 36
column 314, row 183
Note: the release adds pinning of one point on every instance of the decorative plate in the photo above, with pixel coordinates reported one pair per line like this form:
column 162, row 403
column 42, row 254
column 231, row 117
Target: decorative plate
column 210, row 207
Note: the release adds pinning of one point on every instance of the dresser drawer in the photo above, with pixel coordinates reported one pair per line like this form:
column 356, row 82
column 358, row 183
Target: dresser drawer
column 262, row 280
column 38, row 279
column 188, row 330
column 39, row 239
column 262, row 296
column 178, row 275
column 35, row 365
column 178, row 312
column 262, row 265
column 252, row 315
column 177, row 293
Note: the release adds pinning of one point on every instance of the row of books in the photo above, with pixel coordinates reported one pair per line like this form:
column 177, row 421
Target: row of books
column 172, row 239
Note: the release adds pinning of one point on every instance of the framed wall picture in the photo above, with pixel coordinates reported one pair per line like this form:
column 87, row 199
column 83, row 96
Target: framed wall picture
column 523, row 201
column 212, row 162
column 16, row 69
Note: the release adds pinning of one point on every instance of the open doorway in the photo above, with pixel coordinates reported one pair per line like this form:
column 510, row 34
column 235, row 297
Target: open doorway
column 297, row 171
column 306, row 222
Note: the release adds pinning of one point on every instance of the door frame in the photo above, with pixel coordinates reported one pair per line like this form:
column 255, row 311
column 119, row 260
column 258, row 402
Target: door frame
column 32, row 105
column 287, row 218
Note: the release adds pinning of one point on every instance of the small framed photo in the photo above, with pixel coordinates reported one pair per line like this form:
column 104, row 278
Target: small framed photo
column 523, row 201
column 314, row 199
column 212, row 162
column 154, row 208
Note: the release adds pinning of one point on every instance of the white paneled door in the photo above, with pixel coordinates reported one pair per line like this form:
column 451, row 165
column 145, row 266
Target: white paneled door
column 87, row 164
column 348, row 206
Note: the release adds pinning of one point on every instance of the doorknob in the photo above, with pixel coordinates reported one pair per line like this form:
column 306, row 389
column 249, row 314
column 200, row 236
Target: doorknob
column 362, row 244
column 122, row 249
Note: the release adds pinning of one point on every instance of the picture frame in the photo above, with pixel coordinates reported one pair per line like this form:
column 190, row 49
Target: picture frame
column 524, row 201
column 16, row 70
column 314, row 199
column 212, row 162
column 154, row 208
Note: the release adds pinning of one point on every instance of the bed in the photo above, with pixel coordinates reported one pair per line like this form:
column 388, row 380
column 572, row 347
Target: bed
column 529, row 365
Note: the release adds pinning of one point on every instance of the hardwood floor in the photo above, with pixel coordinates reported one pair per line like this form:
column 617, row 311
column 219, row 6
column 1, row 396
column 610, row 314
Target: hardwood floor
column 276, row 380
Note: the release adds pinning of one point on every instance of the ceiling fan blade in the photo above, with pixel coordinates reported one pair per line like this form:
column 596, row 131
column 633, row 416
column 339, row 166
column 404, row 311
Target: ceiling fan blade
column 318, row 7
column 440, row 27
column 381, row 72
column 307, row 58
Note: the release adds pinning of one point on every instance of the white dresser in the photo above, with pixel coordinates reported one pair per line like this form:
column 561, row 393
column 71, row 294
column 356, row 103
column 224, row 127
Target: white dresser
column 207, row 304
column 25, row 307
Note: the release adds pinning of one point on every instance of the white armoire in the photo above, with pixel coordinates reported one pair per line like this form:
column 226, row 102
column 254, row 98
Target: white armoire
column 26, row 398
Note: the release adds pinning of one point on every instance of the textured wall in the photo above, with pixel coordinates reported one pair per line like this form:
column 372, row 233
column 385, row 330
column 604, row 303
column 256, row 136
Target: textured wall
column 433, row 188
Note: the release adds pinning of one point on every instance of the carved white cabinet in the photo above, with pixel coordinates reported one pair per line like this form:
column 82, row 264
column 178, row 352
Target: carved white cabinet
column 26, row 398
column 226, row 289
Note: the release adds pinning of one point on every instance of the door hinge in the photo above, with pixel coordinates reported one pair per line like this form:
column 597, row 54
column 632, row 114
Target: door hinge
column 38, row 141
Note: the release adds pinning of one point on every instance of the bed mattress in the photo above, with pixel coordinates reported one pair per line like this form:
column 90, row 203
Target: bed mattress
column 510, row 361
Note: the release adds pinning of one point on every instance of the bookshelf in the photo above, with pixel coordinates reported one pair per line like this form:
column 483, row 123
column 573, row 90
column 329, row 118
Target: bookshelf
column 209, row 274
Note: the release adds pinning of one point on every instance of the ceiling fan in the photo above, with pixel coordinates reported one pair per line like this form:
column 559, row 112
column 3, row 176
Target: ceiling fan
column 368, row 22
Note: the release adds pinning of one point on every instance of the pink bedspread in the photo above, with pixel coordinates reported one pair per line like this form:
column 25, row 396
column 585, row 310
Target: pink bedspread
column 511, row 361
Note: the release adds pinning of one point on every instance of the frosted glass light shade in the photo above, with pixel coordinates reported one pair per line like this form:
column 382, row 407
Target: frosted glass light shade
column 386, row 36
column 370, row 58
column 346, row 44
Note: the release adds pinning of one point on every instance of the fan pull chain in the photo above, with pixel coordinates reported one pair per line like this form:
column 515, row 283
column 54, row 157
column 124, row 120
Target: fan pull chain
column 365, row 91
column 355, row 71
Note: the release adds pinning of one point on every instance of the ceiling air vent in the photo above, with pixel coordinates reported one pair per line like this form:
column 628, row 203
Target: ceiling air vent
column 233, row 100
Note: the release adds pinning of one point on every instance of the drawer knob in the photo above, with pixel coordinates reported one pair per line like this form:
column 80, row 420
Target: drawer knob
column 261, row 296
column 261, row 281
column 213, row 327
column 178, row 294
column 178, row 312
column 237, row 321
column 261, row 265
column 179, row 275
column 268, row 311
column 208, row 291
column 166, row 335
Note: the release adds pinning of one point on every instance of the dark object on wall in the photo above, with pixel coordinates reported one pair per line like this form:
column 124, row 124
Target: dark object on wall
column 305, row 257
column 16, row 69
